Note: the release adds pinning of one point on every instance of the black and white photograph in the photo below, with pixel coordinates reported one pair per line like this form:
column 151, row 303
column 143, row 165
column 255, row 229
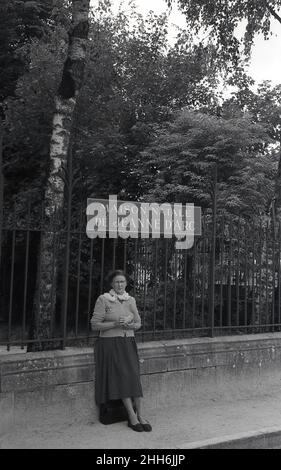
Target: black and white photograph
column 140, row 227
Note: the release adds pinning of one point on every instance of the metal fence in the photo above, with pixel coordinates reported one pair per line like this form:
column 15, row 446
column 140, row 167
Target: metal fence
column 227, row 283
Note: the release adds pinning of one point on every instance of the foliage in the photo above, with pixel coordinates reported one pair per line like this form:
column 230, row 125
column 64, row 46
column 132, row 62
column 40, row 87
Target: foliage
column 133, row 80
column 29, row 118
column 221, row 18
column 264, row 104
column 20, row 22
column 179, row 164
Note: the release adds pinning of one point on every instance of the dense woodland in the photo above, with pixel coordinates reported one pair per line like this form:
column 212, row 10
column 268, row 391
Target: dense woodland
column 150, row 120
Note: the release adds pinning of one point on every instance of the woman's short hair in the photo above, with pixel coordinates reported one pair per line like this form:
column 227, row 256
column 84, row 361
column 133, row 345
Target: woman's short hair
column 112, row 274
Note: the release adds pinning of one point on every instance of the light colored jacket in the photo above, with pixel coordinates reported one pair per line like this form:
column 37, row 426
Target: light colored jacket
column 106, row 312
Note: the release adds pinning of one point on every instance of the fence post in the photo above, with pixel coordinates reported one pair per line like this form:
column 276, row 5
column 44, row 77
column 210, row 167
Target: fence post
column 213, row 255
column 1, row 189
column 69, row 188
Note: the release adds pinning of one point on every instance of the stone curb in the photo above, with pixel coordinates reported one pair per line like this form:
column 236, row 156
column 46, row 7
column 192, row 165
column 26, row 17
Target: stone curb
column 261, row 439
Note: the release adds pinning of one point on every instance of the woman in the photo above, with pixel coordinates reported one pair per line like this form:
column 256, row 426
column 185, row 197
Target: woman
column 117, row 364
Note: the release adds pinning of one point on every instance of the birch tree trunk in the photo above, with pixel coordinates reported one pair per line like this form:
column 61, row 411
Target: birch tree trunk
column 65, row 102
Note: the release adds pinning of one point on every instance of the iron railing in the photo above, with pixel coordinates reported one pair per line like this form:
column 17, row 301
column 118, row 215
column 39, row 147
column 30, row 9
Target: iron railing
column 227, row 283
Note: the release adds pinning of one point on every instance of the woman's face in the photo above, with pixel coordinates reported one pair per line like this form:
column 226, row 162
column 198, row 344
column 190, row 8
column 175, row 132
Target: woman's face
column 119, row 284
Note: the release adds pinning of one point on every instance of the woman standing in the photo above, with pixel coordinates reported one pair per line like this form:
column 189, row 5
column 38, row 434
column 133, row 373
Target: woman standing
column 117, row 363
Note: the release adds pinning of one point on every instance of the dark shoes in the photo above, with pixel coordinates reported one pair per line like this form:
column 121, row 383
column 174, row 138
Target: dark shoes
column 147, row 427
column 140, row 427
column 136, row 427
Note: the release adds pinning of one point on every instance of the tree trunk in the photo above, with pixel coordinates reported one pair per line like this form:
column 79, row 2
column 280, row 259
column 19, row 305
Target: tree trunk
column 65, row 102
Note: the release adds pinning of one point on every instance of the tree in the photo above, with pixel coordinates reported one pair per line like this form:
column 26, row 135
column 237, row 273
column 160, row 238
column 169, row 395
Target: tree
column 220, row 19
column 25, row 26
column 134, row 80
column 65, row 102
column 178, row 164
column 264, row 105
column 21, row 23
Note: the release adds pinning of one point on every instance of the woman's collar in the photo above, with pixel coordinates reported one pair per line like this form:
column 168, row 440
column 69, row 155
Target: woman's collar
column 113, row 296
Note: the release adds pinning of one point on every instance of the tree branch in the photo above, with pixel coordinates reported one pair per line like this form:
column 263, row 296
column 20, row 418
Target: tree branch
column 273, row 12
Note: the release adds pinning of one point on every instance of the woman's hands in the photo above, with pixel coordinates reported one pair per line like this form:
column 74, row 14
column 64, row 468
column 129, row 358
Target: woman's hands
column 125, row 322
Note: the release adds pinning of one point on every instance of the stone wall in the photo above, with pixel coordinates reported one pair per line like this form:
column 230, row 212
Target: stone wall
column 58, row 386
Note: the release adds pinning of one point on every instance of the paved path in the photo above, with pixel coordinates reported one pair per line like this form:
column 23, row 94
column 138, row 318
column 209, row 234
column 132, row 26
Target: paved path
column 172, row 428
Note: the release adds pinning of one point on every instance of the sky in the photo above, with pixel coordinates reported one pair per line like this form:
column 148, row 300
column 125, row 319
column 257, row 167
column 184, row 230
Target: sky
column 265, row 60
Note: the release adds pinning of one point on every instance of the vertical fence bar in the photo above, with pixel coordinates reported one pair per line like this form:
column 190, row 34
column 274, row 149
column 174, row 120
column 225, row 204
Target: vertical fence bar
column 184, row 288
column 114, row 253
column 26, row 264
column 12, row 281
column 279, row 274
column 230, row 262
column 221, row 271
column 66, row 271
column 273, row 281
column 203, row 270
column 155, row 287
column 144, row 286
column 212, row 280
column 69, row 186
column 213, row 255
column 266, row 276
column 1, row 192
column 175, row 290
column 238, row 274
column 90, row 286
column 253, row 277
column 56, row 250
column 78, row 271
column 39, row 264
column 246, row 277
column 125, row 255
column 1, row 201
column 102, row 265
column 194, row 285
column 136, row 264
column 260, row 274
column 165, row 283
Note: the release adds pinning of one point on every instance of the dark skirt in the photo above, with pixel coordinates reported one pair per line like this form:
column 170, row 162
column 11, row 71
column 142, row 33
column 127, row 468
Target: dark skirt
column 117, row 369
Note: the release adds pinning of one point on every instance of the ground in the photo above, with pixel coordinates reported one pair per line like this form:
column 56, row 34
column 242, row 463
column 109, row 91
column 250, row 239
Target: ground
column 174, row 427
